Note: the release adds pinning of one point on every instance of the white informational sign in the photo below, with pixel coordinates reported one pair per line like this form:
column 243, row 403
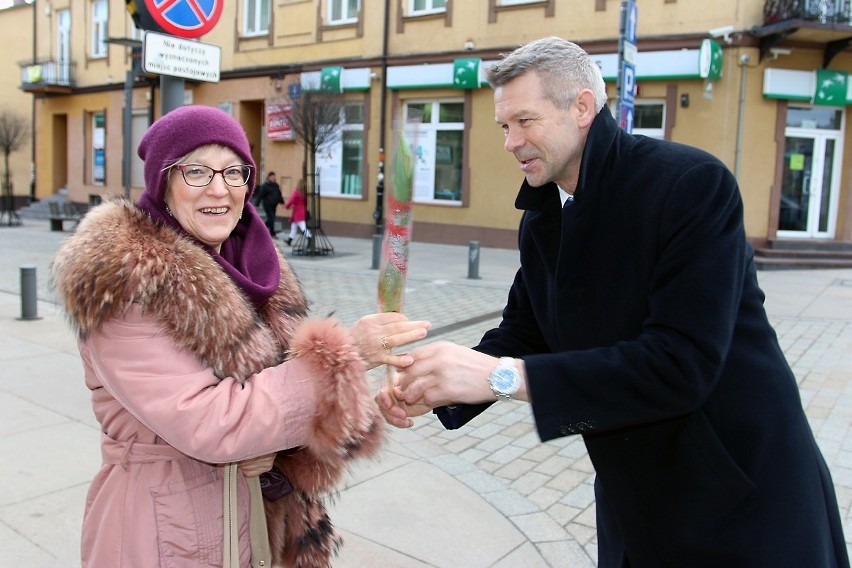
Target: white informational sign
column 177, row 57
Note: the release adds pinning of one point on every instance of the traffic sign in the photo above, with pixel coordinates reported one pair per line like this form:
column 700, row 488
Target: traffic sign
column 632, row 19
column 626, row 118
column 185, row 18
column 176, row 57
column 627, row 85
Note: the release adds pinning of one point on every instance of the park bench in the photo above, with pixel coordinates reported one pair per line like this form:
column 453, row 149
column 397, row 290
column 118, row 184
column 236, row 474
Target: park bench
column 61, row 212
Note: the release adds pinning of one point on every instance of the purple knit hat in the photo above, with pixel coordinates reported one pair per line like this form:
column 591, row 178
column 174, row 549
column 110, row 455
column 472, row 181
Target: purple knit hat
column 248, row 255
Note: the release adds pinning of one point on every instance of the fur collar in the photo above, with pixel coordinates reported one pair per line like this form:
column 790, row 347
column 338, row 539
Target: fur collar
column 118, row 256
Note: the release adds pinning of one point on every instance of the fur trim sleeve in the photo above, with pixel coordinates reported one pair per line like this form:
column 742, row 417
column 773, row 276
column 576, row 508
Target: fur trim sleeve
column 347, row 423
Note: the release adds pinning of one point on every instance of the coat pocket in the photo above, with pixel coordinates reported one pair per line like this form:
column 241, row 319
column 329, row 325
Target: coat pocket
column 190, row 521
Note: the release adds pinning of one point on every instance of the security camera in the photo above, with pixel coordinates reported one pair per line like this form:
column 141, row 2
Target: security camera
column 723, row 32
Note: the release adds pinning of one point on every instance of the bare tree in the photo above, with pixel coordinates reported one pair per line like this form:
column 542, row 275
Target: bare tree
column 316, row 122
column 14, row 129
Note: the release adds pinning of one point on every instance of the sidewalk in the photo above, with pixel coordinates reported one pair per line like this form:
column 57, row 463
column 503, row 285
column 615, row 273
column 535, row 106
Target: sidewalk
column 487, row 495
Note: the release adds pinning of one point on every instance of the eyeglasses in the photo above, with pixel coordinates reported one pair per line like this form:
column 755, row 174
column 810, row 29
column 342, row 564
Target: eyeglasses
column 197, row 175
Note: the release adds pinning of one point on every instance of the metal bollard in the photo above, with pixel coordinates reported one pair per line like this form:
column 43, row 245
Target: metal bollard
column 377, row 251
column 473, row 260
column 29, row 299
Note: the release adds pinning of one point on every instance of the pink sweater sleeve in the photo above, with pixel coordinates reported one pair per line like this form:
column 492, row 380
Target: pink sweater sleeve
column 169, row 390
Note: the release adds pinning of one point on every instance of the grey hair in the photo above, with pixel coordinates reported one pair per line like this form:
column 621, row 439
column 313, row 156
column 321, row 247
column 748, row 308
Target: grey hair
column 564, row 68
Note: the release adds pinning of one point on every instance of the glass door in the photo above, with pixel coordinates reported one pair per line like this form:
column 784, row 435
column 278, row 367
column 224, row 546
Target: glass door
column 811, row 173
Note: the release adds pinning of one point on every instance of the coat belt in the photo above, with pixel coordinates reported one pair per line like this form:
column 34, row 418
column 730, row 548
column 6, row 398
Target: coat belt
column 130, row 451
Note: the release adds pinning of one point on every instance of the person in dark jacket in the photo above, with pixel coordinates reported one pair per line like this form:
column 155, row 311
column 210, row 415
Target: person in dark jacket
column 636, row 321
column 269, row 196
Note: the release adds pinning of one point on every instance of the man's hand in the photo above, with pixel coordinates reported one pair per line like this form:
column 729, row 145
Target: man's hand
column 444, row 373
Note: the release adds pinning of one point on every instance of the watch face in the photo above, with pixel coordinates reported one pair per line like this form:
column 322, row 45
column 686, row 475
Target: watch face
column 505, row 380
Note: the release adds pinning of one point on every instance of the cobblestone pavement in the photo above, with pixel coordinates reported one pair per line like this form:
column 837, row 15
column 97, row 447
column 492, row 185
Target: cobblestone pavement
column 544, row 490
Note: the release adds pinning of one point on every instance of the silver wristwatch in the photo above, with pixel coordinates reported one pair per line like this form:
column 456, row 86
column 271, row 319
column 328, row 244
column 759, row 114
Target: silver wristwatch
column 505, row 379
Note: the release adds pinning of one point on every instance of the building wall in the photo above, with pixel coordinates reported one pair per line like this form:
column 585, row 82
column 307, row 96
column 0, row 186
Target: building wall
column 17, row 25
column 737, row 123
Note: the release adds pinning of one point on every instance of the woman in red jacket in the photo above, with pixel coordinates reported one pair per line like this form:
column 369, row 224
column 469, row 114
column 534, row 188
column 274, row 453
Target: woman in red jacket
column 296, row 202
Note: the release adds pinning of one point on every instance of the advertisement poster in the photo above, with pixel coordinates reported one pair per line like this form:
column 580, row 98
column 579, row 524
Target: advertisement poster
column 278, row 125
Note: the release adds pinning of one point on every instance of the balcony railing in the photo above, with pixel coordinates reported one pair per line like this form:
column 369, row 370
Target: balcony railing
column 818, row 11
column 47, row 75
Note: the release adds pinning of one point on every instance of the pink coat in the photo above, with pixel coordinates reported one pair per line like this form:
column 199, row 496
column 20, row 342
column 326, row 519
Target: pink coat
column 186, row 374
column 149, row 491
column 296, row 202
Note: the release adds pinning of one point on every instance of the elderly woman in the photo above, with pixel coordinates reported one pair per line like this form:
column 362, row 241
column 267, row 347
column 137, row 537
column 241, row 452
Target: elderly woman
column 195, row 344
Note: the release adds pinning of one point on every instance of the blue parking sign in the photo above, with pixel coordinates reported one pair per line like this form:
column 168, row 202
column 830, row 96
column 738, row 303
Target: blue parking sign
column 627, row 87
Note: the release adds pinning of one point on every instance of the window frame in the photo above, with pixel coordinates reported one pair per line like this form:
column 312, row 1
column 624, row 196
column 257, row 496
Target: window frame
column 429, row 10
column 437, row 126
column 346, row 18
column 97, row 146
column 256, row 6
column 99, row 29
column 335, row 148
column 657, row 132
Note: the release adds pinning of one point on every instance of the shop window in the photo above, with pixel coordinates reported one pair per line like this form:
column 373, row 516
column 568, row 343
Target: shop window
column 97, row 150
column 438, row 149
column 422, row 7
column 100, row 16
column 340, row 162
column 649, row 119
column 343, row 11
column 255, row 17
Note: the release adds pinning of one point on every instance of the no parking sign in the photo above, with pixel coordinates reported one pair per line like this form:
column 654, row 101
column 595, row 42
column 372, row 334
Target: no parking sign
column 182, row 18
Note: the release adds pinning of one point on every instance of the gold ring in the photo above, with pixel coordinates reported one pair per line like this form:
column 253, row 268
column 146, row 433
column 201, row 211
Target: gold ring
column 384, row 342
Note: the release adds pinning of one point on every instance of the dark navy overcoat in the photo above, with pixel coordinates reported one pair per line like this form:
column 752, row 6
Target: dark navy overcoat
column 638, row 315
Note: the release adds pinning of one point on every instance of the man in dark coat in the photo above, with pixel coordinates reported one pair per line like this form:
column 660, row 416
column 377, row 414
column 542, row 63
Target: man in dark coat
column 269, row 196
column 636, row 321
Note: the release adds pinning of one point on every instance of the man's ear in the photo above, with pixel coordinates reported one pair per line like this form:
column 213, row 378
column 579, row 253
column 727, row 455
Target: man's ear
column 585, row 108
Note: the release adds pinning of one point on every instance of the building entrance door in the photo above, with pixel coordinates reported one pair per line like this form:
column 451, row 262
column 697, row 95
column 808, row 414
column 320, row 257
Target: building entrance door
column 811, row 179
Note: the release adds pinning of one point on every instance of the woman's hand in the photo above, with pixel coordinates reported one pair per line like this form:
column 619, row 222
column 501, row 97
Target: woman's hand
column 395, row 411
column 255, row 466
column 378, row 334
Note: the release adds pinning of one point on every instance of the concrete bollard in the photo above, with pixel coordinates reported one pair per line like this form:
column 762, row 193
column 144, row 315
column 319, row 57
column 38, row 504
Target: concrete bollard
column 473, row 260
column 377, row 251
column 29, row 297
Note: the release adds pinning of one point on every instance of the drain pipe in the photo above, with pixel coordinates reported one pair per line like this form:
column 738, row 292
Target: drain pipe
column 378, row 214
column 745, row 59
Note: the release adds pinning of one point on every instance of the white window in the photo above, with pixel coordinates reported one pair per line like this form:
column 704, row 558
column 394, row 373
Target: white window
column 340, row 161
column 63, row 46
column 438, row 149
column 420, row 7
column 97, row 131
column 100, row 16
column 255, row 17
column 649, row 118
column 515, row 2
column 343, row 11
